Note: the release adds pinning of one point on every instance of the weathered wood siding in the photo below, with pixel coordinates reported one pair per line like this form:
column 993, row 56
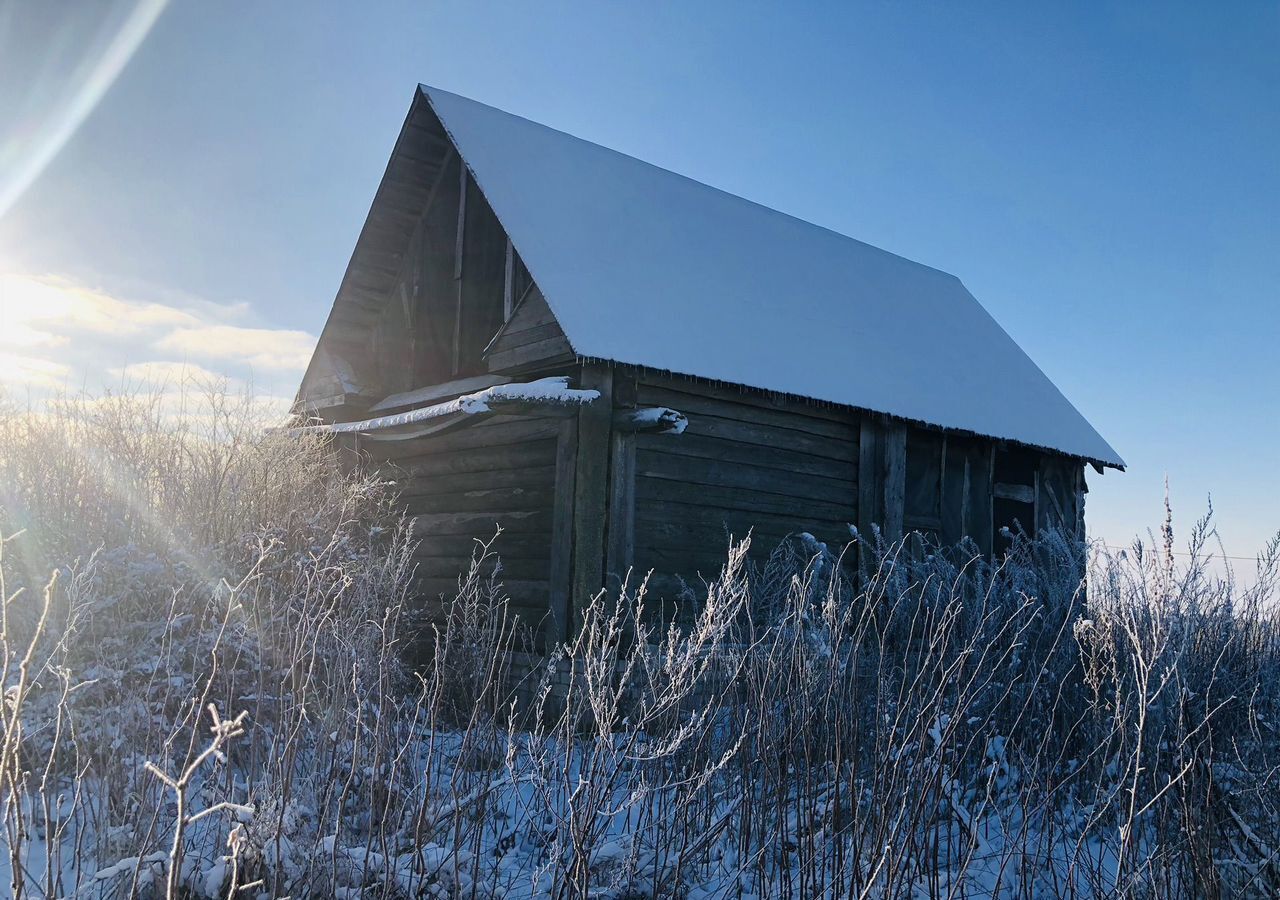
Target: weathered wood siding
column 1060, row 502
column 531, row 338
column 745, row 463
column 776, row 467
column 582, row 500
column 444, row 308
column 464, row 485
column 480, row 285
column 966, row 491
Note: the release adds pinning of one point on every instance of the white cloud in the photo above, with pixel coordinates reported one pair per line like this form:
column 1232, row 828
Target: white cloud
column 56, row 333
column 183, row 385
column 17, row 370
column 49, row 310
column 164, row 373
column 262, row 348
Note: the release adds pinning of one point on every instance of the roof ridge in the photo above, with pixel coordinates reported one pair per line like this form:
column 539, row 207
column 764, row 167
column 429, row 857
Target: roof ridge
column 427, row 89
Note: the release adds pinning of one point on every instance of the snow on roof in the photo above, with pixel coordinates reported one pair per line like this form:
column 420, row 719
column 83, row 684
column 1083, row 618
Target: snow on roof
column 644, row 266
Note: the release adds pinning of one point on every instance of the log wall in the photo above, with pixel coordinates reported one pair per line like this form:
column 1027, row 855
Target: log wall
column 775, row 467
column 582, row 500
column 463, row 485
column 744, row 464
column 532, row 338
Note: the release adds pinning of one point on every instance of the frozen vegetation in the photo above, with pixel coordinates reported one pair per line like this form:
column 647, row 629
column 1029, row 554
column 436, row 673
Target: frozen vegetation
column 215, row 687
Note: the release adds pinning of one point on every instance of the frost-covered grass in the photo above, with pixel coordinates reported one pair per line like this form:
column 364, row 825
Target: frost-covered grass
column 216, row 683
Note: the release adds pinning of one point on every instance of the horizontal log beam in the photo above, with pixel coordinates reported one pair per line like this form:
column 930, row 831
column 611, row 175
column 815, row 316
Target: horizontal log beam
column 544, row 397
column 650, row 420
column 1020, row 492
column 438, row 392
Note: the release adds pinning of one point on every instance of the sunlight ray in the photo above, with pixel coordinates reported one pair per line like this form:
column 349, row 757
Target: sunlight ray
column 41, row 141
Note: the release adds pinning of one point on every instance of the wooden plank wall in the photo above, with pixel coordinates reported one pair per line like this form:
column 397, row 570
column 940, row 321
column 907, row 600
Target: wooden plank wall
column 966, row 491
column 1060, row 498
column 581, row 502
column 482, row 276
column 533, row 337
column 444, row 307
column 591, row 488
column 462, row 485
column 430, row 283
column 744, row 463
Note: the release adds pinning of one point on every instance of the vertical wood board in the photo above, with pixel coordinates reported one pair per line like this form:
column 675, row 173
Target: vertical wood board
column 591, row 487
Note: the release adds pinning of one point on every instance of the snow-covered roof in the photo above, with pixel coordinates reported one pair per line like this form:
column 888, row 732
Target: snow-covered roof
column 644, row 266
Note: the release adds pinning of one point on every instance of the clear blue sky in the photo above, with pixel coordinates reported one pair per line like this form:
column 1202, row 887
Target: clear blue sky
column 1105, row 178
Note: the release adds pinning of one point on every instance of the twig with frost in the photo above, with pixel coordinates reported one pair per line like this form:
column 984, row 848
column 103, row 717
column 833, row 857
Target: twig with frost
column 223, row 732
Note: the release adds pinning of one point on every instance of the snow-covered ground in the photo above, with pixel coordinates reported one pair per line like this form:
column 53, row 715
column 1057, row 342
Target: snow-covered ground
column 942, row 729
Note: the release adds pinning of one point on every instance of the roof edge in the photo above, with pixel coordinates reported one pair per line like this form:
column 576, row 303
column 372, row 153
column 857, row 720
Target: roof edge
column 418, row 96
column 1118, row 463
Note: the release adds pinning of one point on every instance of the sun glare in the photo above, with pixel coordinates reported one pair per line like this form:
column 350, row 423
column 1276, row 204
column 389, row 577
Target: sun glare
column 30, row 370
column 28, row 303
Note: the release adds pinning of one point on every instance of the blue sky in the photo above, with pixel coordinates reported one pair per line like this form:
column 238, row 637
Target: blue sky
column 1104, row 178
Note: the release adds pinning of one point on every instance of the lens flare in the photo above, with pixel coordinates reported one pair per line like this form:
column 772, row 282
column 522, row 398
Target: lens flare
column 40, row 131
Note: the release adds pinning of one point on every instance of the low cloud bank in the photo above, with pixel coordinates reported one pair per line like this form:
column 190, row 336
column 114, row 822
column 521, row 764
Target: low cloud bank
column 57, row 335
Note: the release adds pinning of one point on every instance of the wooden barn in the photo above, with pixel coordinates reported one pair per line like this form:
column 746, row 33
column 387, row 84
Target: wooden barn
column 621, row 367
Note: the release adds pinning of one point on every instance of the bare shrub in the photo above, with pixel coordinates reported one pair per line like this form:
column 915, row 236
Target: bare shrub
column 903, row 721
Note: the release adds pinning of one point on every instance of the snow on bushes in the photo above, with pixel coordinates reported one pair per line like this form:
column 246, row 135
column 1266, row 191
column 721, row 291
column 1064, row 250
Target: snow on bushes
column 214, row 696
